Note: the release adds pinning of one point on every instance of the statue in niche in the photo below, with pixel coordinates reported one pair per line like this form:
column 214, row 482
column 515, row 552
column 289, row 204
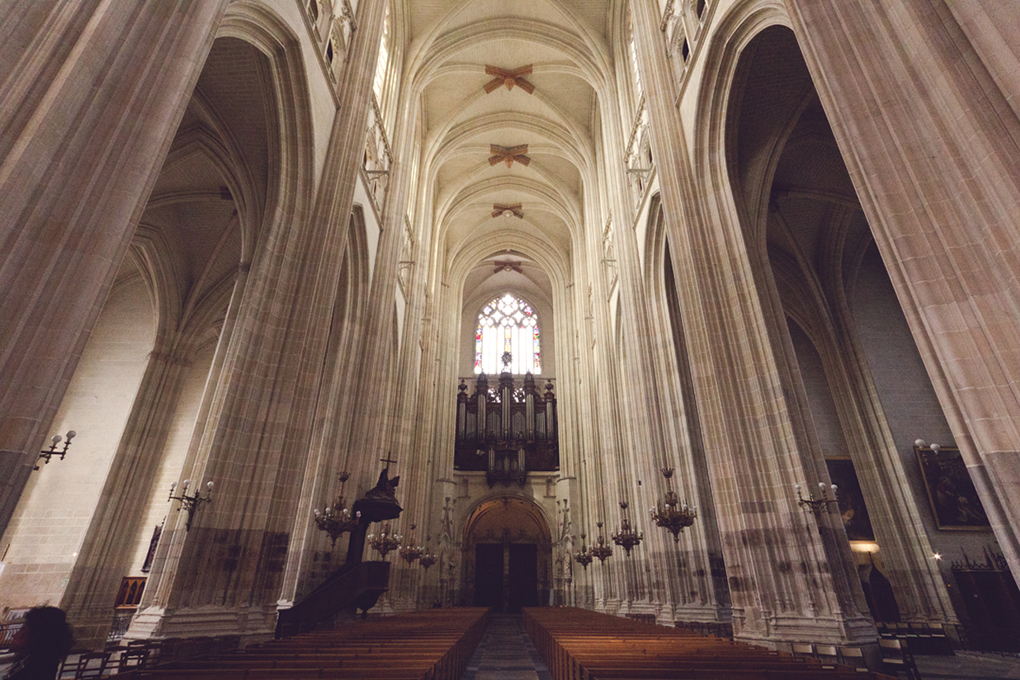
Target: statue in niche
column 565, row 523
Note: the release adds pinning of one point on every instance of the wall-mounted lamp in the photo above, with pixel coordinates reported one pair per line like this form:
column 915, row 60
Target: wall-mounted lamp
column 816, row 504
column 190, row 503
column 52, row 451
column 920, row 443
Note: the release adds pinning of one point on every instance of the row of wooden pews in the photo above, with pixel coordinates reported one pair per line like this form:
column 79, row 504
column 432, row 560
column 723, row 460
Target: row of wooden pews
column 434, row 644
column 579, row 644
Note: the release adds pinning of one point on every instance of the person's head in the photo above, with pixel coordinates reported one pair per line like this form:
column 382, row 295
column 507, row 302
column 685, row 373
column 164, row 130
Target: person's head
column 45, row 632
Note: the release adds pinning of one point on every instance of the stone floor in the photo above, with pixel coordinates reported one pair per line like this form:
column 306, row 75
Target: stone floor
column 506, row 653
column 969, row 666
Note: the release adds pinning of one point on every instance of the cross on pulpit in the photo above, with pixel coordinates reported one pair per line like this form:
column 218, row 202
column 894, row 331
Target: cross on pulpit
column 387, row 461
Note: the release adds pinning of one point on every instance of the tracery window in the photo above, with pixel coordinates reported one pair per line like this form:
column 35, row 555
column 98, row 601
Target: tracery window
column 508, row 324
column 384, row 58
column 632, row 48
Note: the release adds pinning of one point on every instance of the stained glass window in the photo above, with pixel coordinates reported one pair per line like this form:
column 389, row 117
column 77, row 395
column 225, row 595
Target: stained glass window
column 508, row 324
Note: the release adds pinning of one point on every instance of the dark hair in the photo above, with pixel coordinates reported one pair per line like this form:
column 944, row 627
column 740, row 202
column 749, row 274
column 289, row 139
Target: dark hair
column 47, row 632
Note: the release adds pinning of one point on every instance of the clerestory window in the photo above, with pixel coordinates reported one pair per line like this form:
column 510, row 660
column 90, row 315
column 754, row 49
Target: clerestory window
column 508, row 324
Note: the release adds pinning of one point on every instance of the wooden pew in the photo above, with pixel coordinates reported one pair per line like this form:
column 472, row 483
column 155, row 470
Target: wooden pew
column 584, row 645
column 428, row 645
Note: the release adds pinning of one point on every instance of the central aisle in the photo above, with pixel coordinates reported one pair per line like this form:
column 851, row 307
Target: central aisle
column 506, row 653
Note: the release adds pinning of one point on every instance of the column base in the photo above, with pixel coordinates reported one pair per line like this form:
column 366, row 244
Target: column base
column 156, row 622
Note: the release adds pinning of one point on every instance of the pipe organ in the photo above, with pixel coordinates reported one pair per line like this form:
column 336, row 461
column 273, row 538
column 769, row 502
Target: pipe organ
column 507, row 431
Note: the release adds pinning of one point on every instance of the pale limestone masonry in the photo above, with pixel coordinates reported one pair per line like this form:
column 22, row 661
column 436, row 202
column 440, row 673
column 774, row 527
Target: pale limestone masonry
column 759, row 235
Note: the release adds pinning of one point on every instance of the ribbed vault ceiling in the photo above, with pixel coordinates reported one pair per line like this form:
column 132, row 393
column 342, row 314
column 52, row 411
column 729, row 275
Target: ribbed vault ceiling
column 451, row 42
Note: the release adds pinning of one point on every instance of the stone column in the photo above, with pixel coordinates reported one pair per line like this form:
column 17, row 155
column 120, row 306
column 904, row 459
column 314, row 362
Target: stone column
column 226, row 573
column 790, row 571
column 931, row 139
column 108, row 546
column 91, row 93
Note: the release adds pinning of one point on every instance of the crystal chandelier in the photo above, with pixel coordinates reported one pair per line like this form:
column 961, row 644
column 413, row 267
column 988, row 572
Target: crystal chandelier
column 626, row 537
column 583, row 556
column 385, row 541
column 599, row 549
column 672, row 514
column 337, row 520
column 411, row 552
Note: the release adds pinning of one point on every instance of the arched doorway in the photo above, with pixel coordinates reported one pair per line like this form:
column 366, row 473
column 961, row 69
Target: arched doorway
column 507, row 554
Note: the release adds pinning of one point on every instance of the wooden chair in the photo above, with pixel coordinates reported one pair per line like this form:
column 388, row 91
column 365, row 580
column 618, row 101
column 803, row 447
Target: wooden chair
column 132, row 657
column 896, row 658
column 92, row 665
column 803, row 649
column 827, row 654
column 853, row 657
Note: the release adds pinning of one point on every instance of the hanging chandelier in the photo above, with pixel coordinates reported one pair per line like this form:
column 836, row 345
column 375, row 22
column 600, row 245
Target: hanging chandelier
column 337, row 520
column 583, row 556
column 385, row 541
column 411, row 552
column 428, row 559
column 599, row 549
column 626, row 537
column 672, row 514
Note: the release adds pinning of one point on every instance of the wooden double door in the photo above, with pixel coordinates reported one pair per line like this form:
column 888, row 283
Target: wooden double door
column 506, row 576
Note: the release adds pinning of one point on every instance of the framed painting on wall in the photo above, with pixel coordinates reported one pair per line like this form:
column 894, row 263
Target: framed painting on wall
column 954, row 500
column 851, row 501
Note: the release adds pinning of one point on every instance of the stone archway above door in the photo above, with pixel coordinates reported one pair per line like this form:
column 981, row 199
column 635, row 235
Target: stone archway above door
column 507, row 554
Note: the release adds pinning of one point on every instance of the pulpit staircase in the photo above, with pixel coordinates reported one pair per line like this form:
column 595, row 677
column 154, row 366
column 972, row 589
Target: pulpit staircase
column 353, row 585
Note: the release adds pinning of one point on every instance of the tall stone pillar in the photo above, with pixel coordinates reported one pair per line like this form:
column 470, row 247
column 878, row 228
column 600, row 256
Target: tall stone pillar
column 790, row 571
column 108, row 547
column 91, row 93
column 653, row 440
column 226, row 573
column 928, row 125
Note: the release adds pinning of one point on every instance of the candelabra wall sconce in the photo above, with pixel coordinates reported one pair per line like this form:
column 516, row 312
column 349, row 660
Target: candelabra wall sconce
column 583, row 556
column 190, row 503
column 626, row 537
column 337, row 520
column 599, row 549
column 411, row 552
column 816, row 504
column 673, row 515
column 52, row 451
column 385, row 541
